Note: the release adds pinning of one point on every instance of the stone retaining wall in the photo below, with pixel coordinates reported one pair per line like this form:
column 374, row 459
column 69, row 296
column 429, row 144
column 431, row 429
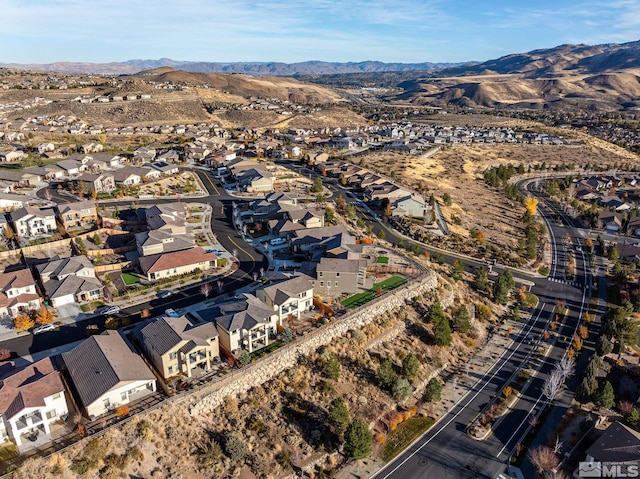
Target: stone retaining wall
column 285, row 358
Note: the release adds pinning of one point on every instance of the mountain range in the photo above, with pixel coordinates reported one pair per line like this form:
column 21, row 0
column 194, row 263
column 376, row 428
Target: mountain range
column 248, row 68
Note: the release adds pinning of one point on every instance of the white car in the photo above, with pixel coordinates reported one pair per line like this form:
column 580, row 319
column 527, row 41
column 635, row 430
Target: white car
column 109, row 310
column 164, row 294
column 44, row 328
column 171, row 313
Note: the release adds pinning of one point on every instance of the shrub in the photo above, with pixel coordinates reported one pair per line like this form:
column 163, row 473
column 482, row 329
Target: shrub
column 338, row 416
column 122, row 411
column 331, row 368
column 244, row 359
column 402, row 390
column 235, row 447
column 410, row 366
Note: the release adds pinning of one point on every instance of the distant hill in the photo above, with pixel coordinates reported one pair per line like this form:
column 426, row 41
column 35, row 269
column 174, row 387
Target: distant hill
column 565, row 77
column 249, row 68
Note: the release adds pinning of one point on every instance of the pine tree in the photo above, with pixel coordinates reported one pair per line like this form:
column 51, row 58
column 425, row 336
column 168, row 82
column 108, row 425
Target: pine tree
column 605, row 397
column 357, row 440
column 386, row 375
column 481, row 280
column 461, row 319
column 433, row 391
column 331, row 367
column 410, row 366
column 338, row 416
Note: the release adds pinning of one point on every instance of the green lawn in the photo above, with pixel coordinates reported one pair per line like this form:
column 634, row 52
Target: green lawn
column 382, row 260
column 406, row 432
column 359, row 299
column 130, row 279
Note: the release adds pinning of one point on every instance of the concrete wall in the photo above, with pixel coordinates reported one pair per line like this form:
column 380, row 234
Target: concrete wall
column 287, row 357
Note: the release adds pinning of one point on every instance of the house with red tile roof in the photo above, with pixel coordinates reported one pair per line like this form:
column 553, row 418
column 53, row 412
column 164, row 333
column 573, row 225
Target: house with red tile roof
column 176, row 263
column 30, row 400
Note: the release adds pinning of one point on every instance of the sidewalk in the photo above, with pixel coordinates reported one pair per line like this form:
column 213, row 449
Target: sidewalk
column 459, row 381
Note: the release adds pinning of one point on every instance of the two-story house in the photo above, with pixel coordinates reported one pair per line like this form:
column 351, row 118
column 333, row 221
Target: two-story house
column 30, row 222
column 107, row 373
column 289, row 296
column 243, row 324
column 180, row 346
column 18, row 293
column 30, row 400
column 81, row 215
column 342, row 275
column 98, row 182
column 69, row 280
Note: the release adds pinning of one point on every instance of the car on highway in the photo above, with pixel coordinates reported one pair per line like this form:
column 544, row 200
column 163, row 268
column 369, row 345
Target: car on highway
column 44, row 328
column 108, row 309
column 164, row 294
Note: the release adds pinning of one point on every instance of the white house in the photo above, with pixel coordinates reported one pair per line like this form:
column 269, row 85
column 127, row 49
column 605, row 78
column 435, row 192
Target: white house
column 288, row 297
column 107, row 373
column 32, row 222
column 30, row 400
column 18, row 293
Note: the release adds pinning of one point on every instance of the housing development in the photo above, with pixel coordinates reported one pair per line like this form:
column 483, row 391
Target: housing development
column 224, row 275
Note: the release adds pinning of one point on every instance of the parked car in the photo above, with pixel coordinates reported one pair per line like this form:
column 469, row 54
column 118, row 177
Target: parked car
column 44, row 328
column 108, row 310
column 171, row 313
column 217, row 252
column 165, row 294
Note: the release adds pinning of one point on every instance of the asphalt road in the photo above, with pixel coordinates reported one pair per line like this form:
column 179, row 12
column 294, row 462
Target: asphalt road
column 446, row 450
column 250, row 261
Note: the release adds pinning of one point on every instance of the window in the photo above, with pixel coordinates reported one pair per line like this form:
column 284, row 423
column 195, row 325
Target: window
column 51, row 414
column 123, row 396
column 319, row 274
column 337, row 275
column 173, row 356
column 56, row 396
column 170, row 369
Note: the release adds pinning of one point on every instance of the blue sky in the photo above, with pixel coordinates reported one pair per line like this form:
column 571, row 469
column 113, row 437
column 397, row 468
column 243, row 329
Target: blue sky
column 45, row 31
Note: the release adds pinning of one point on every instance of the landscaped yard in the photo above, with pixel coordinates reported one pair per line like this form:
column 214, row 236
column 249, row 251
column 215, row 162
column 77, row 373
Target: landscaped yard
column 359, row 299
column 404, row 435
column 382, row 260
column 130, row 279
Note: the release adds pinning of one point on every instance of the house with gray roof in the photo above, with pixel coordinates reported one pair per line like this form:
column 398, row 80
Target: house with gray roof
column 69, row 280
column 180, row 346
column 29, row 222
column 618, row 444
column 107, row 373
column 341, row 275
column 162, row 241
column 243, row 324
column 168, row 216
column 288, row 297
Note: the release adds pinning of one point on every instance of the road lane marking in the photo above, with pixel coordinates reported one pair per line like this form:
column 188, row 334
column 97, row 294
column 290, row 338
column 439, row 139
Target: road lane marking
column 454, row 416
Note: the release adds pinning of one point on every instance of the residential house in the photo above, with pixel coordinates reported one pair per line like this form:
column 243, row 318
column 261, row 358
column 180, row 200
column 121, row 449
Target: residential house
column 144, row 154
column 12, row 155
column 387, row 190
column 30, row 400
column 243, row 324
column 163, row 241
column 35, row 174
column 81, row 215
column 107, row 373
column 69, row 280
column 72, row 166
column 165, row 169
column 98, row 182
column 288, row 297
column 180, row 346
column 634, row 226
column 412, row 205
column 127, row 176
column 176, row 263
column 167, row 216
column 618, row 446
column 609, row 221
column 340, row 275
column 11, row 202
column 18, row 293
column 29, row 222
column 171, row 156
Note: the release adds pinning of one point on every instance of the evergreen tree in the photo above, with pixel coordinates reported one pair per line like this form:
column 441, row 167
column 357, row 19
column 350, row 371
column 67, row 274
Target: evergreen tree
column 386, row 375
column 339, row 416
column 436, row 313
column 605, row 398
column 410, row 366
column 457, row 269
column 480, row 279
column 433, row 391
column 357, row 440
column 502, row 287
column 603, row 346
column 402, row 390
column 461, row 319
column 442, row 333
column 331, row 367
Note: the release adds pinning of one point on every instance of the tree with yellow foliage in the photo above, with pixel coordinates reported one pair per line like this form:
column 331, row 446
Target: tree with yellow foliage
column 531, row 204
column 44, row 316
column 23, row 321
